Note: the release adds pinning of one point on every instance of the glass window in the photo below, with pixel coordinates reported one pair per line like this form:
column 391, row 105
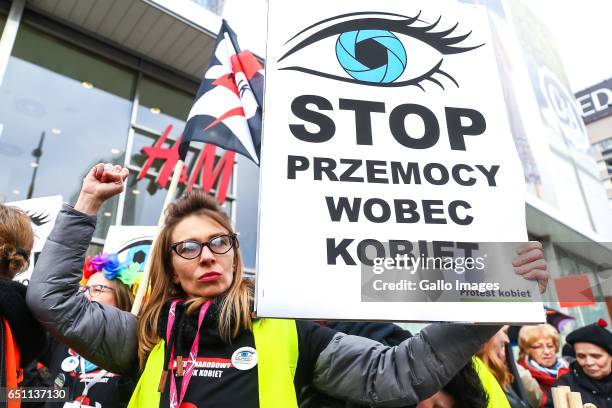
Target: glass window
column 161, row 108
column 161, row 105
column 247, row 212
column 162, row 111
column 62, row 110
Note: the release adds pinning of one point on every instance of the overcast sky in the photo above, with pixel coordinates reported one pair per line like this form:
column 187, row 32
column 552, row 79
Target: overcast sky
column 582, row 29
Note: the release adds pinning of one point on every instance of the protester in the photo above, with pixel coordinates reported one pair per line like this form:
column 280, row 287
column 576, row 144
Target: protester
column 591, row 373
column 532, row 389
column 21, row 337
column 463, row 391
column 107, row 281
column 493, row 356
column 200, row 305
column 539, row 346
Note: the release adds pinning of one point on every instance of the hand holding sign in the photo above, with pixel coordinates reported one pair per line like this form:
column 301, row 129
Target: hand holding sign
column 101, row 183
column 530, row 263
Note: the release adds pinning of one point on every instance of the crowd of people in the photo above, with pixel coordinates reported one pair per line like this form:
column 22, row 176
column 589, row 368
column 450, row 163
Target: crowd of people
column 196, row 342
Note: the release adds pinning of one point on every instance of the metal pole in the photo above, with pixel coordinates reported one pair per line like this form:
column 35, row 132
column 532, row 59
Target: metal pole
column 9, row 34
column 129, row 147
column 36, row 153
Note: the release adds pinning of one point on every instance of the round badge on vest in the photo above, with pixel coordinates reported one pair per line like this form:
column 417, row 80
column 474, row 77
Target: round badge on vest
column 244, row 358
column 70, row 364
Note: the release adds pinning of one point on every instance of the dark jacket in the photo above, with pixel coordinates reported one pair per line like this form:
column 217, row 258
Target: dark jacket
column 352, row 367
column 28, row 334
column 386, row 333
column 598, row 392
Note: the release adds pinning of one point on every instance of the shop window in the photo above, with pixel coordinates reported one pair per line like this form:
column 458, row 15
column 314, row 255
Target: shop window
column 161, row 105
column 162, row 113
column 62, row 110
column 572, row 264
column 247, row 211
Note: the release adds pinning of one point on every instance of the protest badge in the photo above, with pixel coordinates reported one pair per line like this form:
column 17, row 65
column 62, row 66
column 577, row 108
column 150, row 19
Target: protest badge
column 386, row 140
column 42, row 212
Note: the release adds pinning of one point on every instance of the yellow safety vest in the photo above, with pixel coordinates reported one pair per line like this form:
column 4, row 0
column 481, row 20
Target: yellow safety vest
column 497, row 396
column 276, row 342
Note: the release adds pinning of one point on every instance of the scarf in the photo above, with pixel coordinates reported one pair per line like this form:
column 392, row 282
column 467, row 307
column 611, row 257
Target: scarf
column 552, row 371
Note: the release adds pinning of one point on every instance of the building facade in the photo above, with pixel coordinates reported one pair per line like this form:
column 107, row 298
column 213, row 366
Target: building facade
column 596, row 105
column 113, row 81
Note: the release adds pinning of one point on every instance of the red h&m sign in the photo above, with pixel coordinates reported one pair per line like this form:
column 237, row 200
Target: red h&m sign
column 204, row 171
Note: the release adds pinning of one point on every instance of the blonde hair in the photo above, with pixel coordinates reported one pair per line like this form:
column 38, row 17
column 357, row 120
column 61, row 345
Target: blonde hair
column 530, row 334
column 16, row 241
column 235, row 307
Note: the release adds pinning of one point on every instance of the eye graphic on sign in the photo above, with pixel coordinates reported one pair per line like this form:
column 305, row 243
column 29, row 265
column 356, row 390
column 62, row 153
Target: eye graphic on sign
column 136, row 250
column 376, row 49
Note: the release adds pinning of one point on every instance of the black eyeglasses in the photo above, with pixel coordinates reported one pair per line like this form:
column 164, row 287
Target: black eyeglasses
column 219, row 245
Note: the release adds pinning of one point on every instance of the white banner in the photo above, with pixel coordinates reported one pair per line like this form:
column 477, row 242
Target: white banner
column 42, row 212
column 384, row 124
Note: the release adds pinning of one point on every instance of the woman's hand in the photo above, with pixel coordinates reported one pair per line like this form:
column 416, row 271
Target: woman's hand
column 101, row 183
column 530, row 263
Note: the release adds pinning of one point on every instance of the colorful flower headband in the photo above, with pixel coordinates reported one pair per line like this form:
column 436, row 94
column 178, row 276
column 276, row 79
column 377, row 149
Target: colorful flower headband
column 110, row 266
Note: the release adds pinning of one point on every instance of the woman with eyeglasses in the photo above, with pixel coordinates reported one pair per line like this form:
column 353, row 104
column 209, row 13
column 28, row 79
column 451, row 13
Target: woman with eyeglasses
column 21, row 336
column 106, row 281
column 539, row 347
column 196, row 342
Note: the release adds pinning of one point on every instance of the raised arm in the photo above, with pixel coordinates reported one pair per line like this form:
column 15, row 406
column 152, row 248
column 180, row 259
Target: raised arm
column 103, row 334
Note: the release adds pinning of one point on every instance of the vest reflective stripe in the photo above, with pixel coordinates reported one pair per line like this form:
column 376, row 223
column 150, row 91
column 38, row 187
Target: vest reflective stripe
column 277, row 355
column 276, row 342
column 497, row 396
column 145, row 394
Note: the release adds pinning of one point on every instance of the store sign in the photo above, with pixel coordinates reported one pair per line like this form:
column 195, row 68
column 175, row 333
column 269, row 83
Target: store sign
column 204, row 173
column 42, row 212
column 384, row 126
column 596, row 101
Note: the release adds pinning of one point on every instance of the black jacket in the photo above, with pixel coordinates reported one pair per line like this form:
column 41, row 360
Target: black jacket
column 385, row 333
column 28, row 333
column 598, row 392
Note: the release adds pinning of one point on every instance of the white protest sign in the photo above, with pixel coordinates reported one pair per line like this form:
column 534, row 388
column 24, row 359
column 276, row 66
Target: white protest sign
column 131, row 243
column 42, row 212
column 384, row 125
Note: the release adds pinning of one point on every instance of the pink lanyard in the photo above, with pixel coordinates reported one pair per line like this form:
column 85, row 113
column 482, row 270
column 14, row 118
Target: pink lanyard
column 193, row 354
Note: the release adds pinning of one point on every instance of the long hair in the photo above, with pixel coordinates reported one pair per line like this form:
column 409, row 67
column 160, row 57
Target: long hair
column 16, row 241
column 123, row 295
column 497, row 366
column 235, row 306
